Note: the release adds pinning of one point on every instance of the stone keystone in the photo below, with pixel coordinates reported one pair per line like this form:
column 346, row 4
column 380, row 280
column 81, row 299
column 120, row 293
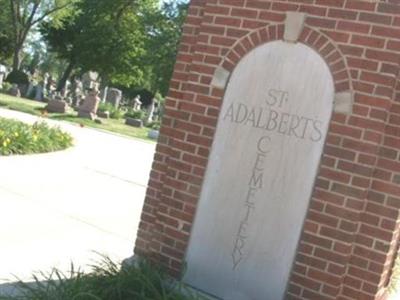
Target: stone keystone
column 220, row 78
column 343, row 102
column 294, row 25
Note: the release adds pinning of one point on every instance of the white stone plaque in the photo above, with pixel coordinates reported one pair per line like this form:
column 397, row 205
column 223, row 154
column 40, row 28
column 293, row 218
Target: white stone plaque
column 261, row 173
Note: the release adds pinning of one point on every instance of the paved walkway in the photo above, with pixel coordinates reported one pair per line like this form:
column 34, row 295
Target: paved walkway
column 60, row 207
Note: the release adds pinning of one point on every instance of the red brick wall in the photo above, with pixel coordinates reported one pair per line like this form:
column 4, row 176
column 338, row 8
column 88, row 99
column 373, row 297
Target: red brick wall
column 350, row 235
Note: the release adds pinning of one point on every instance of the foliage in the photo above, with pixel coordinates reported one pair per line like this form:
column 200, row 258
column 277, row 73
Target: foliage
column 104, row 36
column 164, row 30
column 108, row 280
column 19, row 138
column 6, row 41
column 154, row 125
column 131, row 43
column 115, row 113
column 6, row 87
column 18, row 77
column 135, row 114
column 24, row 15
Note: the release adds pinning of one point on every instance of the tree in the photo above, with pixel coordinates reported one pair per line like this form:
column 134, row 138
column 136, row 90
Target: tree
column 164, row 32
column 105, row 36
column 6, row 41
column 64, row 41
column 25, row 14
column 131, row 43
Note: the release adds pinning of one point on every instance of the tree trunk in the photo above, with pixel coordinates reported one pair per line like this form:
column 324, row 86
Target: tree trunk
column 66, row 75
column 17, row 58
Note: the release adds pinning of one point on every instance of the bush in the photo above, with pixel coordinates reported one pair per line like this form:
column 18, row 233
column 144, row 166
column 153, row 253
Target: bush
column 6, row 87
column 17, row 77
column 115, row 113
column 154, row 125
column 135, row 114
column 107, row 281
column 20, row 138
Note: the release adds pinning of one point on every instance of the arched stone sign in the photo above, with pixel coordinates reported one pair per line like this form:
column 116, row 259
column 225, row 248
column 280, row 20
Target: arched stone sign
column 261, row 173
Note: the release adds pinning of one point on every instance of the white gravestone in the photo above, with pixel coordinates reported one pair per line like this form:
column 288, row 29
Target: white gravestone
column 264, row 160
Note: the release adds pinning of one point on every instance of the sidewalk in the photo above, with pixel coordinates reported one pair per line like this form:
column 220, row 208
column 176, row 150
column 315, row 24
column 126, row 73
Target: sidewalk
column 59, row 207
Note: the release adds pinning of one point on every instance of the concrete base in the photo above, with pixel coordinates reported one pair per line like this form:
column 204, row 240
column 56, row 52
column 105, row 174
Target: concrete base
column 87, row 115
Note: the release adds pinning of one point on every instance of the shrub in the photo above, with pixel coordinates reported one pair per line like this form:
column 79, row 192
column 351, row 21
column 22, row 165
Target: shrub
column 107, row 281
column 6, row 87
column 135, row 114
column 115, row 113
column 154, row 125
column 17, row 77
column 20, row 138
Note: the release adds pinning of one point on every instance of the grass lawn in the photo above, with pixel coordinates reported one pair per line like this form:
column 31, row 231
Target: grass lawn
column 36, row 108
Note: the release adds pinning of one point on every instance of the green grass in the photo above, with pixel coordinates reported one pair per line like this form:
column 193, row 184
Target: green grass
column 36, row 108
column 20, row 104
column 20, row 138
column 107, row 281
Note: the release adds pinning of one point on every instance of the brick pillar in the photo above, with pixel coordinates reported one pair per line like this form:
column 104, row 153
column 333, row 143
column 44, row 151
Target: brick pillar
column 350, row 236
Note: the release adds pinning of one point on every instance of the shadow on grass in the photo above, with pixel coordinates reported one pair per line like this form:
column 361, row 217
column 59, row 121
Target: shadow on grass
column 62, row 117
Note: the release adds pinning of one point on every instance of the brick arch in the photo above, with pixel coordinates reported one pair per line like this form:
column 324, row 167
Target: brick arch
column 310, row 37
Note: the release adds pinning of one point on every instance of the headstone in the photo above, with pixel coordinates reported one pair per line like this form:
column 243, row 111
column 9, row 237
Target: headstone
column 14, row 91
column 150, row 111
column 90, row 105
column 103, row 94
column 114, row 97
column 103, row 114
column 134, row 122
column 39, row 92
column 57, row 106
column 30, row 89
column 273, row 124
column 3, row 71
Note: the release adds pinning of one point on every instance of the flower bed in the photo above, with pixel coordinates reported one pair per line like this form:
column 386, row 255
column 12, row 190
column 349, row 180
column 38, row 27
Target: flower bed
column 20, row 138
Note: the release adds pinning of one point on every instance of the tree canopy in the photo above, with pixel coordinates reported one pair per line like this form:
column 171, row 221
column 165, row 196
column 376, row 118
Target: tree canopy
column 24, row 15
column 131, row 43
column 6, row 41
